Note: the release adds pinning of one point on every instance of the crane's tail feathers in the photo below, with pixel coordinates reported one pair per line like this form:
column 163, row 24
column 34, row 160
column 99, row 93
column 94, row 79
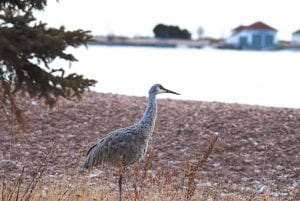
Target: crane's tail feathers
column 85, row 165
column 90, row 149
column 88, row 163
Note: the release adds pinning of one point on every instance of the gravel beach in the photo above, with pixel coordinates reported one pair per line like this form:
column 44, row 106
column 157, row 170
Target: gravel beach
column 258, row 147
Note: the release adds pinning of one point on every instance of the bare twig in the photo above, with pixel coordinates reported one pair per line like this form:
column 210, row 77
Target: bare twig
column 192, row 170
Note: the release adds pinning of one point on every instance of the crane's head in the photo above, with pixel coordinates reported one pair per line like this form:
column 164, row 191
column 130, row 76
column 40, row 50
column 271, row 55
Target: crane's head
column 159, row 89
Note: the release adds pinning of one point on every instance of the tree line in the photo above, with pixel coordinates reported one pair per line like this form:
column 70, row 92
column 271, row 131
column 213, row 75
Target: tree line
column 170, row 31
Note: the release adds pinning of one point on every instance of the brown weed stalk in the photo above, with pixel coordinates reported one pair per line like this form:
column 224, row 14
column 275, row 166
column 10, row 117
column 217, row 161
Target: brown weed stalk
column 140, row 177
column 21, row 190
column 192, row 170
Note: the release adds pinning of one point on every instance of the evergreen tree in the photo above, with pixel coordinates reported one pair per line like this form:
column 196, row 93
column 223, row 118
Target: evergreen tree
column 27, row 48
column 170, row 31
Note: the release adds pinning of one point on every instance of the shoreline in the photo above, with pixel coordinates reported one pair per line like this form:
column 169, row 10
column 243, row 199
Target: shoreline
column 180, row 43
column 195, row 101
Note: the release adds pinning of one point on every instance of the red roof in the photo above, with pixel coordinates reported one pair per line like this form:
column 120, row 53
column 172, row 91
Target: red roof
column 260, row 25
column 239, row 28
column 297, row 32
column 254, row 26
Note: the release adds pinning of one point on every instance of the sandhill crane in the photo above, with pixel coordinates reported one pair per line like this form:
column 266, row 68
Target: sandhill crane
column 129, row 144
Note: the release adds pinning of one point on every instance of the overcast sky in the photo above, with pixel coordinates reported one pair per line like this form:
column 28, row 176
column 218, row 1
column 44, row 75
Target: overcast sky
column 138, row 17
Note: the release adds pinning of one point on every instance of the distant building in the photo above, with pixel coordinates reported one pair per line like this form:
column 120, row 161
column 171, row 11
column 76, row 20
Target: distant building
column 255, row 36
column 296, row 37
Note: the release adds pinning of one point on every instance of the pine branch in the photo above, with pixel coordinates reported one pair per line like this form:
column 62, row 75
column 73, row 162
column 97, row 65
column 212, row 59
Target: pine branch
column 27, row 48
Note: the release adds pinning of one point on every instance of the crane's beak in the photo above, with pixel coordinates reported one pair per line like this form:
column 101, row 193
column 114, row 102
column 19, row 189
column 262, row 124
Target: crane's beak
column 169, row 91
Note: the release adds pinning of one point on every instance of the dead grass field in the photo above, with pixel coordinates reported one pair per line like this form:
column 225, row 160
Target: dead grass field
column 255, row 158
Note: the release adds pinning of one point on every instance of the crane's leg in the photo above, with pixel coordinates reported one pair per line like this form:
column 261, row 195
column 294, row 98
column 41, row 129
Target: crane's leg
column 120, row 188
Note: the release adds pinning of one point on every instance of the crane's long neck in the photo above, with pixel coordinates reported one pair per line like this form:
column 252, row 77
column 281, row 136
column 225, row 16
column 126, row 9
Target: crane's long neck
column 149, row 117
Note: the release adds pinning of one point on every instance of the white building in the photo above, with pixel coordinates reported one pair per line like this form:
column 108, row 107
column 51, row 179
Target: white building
column 255, row 36
column 296, row 37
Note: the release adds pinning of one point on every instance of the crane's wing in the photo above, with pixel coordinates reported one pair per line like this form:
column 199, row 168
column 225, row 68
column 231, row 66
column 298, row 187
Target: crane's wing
column 106, row 150
column 94, row 154
column 90, row 150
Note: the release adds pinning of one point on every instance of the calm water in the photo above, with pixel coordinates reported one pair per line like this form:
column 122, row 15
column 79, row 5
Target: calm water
column 260, row 78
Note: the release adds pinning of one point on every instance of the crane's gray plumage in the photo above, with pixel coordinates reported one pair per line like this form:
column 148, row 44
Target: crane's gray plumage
column 127, row 144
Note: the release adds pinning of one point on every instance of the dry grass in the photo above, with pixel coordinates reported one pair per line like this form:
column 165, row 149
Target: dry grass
column 142, row 183
column 84, row 192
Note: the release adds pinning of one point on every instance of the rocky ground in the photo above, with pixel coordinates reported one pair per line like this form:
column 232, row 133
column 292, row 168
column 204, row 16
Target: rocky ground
column 259, row 147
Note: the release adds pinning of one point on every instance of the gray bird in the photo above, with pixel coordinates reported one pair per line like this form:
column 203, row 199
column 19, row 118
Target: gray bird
column 125, row 146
